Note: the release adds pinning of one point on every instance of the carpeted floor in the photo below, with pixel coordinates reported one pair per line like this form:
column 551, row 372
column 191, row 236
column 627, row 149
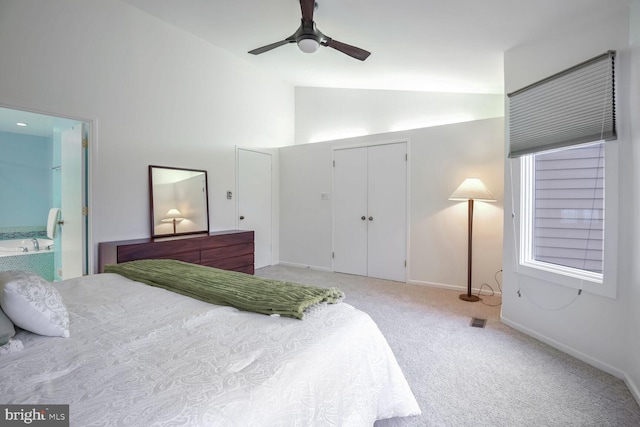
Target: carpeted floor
column 468, row 376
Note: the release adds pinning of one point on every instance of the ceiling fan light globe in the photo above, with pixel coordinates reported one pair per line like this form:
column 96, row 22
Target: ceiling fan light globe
column 308, row 45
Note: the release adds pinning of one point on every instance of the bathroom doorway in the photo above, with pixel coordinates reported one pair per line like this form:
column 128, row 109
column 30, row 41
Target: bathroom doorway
column 44, row 193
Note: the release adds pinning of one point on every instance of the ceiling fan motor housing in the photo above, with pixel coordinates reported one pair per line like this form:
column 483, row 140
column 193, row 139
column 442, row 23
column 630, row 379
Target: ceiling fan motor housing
column 308, row 43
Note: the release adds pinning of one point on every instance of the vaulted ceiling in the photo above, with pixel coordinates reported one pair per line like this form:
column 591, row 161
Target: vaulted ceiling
column 420, row 45
column 424, row 45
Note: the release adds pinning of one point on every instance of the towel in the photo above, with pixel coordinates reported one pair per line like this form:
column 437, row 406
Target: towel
column 52, row 222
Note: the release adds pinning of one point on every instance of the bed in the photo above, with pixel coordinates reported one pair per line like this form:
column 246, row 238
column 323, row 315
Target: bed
column 141, row 355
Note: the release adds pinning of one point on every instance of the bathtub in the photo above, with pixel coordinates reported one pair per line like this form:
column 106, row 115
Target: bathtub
column 17, row 247
column 13, row 257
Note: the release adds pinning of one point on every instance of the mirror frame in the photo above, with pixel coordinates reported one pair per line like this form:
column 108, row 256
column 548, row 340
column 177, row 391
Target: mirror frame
column 154, row 200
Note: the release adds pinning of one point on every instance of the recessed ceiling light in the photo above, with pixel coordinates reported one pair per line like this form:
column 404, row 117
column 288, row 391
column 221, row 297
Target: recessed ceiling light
column 22, row 124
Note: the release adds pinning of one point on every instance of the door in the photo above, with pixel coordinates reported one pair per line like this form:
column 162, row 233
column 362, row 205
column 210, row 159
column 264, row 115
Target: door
column 350, row 211
column 370, row 194
column 254, row 201
column 71, row 204
column 387, row 196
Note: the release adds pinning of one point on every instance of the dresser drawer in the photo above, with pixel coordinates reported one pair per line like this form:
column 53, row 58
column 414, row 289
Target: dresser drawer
column 241, row 263
column 208, row 255
column 226, row 240
column 187, row 250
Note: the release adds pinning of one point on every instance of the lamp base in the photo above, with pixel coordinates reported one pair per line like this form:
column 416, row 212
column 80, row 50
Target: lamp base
column 470, row 298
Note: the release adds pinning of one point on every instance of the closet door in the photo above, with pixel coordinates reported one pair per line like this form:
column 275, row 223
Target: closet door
column 387, row 211
column 254, row 201
column 349, row 209
column 369, row 231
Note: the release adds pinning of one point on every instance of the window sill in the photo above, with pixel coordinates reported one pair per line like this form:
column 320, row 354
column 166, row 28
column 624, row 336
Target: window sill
column 589, row 282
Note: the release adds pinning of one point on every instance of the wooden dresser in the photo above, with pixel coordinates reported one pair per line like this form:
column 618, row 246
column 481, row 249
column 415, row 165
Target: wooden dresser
column 227, row 250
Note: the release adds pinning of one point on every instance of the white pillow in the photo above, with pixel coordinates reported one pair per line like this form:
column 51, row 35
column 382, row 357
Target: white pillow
column 33, row 304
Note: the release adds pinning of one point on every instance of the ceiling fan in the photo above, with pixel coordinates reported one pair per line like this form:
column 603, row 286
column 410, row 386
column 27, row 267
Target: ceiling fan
column 309, row 38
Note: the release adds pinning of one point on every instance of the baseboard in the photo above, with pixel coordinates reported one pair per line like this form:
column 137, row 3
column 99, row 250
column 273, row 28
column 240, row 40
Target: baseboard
column 293, row 264
column 633, row 388
column 570, row 351
column 461, row 289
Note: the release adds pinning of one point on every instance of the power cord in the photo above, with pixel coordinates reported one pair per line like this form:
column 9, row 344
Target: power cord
column 495, row 277
column 521, row 292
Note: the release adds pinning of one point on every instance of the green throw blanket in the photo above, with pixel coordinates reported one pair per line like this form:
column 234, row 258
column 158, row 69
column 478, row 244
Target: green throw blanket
column 230, row 288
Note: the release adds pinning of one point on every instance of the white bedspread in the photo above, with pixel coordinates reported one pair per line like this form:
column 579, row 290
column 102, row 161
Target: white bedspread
column 142, row 356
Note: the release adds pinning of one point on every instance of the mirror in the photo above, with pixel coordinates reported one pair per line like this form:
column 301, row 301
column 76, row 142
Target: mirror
column 179, row 202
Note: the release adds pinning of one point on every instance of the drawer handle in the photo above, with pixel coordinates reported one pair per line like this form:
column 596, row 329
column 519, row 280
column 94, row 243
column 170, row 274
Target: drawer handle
column 241, row 216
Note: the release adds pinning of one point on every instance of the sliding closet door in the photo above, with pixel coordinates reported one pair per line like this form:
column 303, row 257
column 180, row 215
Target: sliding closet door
column 369, row 231
column 387, row 200
column 349, row 209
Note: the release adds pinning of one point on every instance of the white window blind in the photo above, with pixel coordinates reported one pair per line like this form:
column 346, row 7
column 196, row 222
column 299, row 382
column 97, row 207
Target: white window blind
column 568, row 218
column 572, row 107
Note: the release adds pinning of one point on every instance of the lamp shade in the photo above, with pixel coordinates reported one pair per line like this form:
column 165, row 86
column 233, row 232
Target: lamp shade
column 472, row 189
column 173, row 213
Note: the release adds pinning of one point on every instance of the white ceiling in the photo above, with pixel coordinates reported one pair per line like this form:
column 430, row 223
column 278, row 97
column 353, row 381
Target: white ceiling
column 421, row 45
column 37, row 124
column 424, row 45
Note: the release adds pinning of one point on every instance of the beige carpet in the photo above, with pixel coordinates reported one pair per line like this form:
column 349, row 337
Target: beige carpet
column 467, row 376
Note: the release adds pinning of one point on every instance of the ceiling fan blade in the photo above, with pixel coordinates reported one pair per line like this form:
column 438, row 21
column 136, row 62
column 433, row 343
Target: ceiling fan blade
column 352, row 51
column 307, row 7
column 268, row 47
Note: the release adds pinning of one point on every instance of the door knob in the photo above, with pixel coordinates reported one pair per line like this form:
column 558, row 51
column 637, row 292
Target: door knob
column 241, row 216
column 370, row 218
column 363, row 217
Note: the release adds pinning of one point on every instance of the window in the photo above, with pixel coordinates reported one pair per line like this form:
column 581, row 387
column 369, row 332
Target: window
column 563, row 208
column 559, row 128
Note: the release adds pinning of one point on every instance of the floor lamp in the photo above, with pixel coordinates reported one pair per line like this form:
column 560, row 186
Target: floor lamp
column 471, row 189
column 174, row 216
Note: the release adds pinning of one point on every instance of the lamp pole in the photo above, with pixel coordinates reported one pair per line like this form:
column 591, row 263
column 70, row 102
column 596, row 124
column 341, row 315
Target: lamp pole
column 468, row 296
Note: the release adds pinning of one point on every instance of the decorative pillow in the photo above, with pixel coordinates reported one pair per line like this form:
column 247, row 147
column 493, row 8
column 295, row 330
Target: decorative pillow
column 6, row 329
column 13, row 346
column 33, row 304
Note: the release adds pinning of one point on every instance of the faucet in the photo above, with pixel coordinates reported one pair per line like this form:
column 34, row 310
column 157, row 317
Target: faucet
column 36, row 245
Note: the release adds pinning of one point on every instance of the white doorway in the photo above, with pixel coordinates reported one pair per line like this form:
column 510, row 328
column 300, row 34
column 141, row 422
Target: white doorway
column 254, row 201
column 66, row 141
column 370, row 216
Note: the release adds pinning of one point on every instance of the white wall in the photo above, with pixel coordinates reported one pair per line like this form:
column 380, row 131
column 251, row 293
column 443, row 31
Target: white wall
column 633, row 302
column 593, row 328
column 440, row 158
column 328, row 114
column 155, row 95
